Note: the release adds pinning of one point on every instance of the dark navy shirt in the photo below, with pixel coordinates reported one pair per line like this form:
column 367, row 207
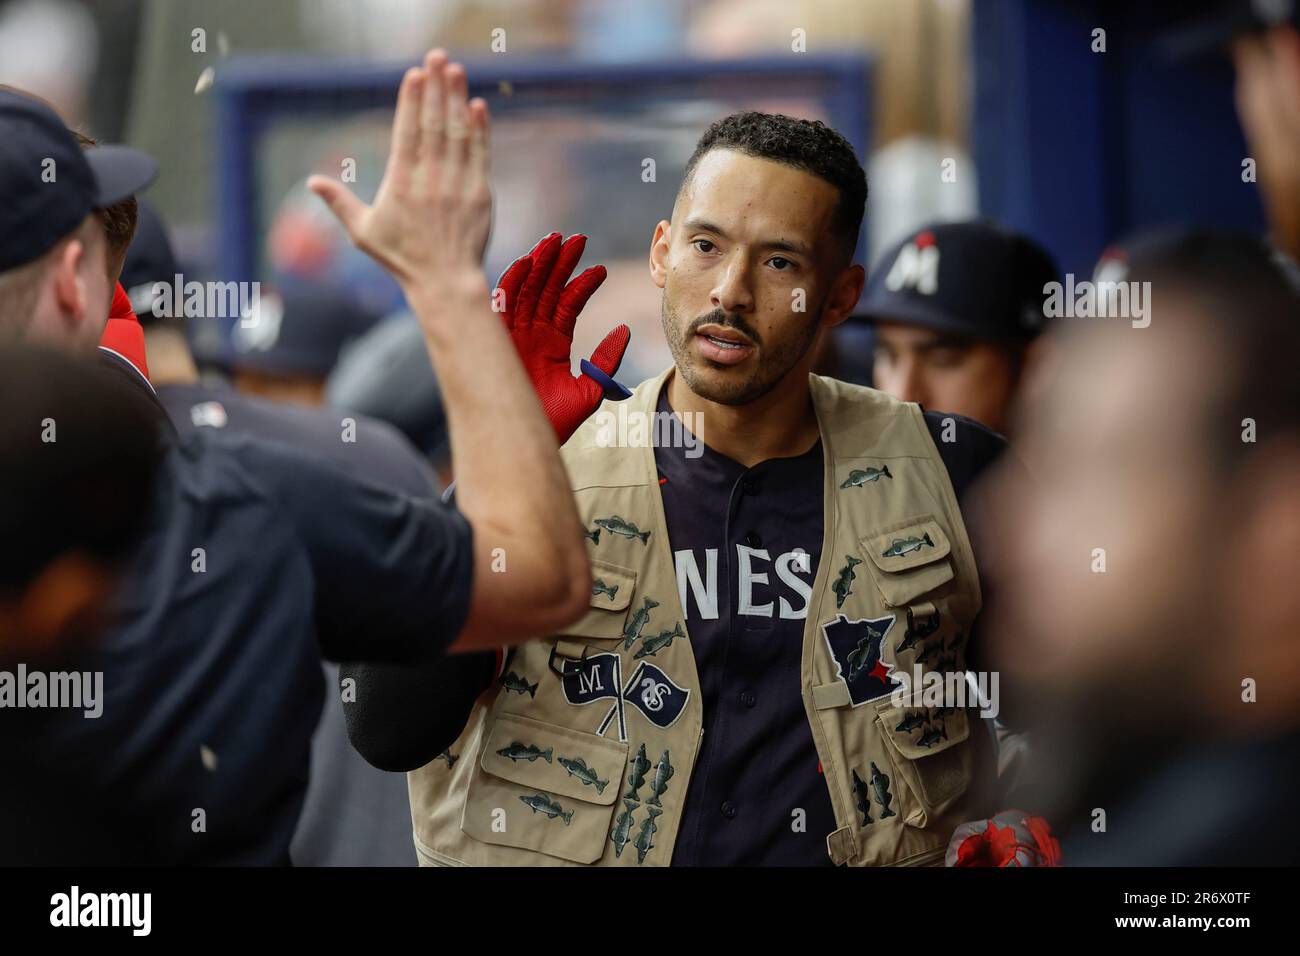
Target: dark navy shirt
column 354, row 814
column 259, row 559
column 379, row 453
column 757, row 533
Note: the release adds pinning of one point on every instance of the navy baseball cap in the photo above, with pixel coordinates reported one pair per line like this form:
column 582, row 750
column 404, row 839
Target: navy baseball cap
column 301, row 329
column 149, row 260
column 49, row 184
column 976, row 279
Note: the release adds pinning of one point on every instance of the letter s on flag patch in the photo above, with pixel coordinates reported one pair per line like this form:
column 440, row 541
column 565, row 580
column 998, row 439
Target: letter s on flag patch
column 654, row 693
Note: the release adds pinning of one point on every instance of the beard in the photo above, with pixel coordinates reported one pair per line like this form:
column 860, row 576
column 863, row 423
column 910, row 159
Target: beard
column 730, row 385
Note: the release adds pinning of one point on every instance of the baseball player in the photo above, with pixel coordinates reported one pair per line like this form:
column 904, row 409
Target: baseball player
column 771, row 550
column 258, row 558
column 957, row 310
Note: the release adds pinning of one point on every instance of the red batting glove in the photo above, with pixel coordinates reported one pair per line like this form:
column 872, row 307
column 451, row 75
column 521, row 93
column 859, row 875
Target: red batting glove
column 1009, row 838
column 541, row 308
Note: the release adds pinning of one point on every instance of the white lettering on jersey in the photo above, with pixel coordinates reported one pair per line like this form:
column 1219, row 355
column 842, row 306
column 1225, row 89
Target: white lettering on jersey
column 797, row 559
column 747, row 579
column 706, row 598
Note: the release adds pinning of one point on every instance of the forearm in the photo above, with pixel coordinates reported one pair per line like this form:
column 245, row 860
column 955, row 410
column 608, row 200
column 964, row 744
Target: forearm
column 511, row 485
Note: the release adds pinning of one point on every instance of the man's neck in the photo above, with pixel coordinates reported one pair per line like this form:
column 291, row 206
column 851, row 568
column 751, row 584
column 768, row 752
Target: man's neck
column 780, row 424
column 170, row 359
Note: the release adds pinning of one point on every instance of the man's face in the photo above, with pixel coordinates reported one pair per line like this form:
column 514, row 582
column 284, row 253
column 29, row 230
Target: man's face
column 945, row 373
column 1108, row 559
column 746, row 267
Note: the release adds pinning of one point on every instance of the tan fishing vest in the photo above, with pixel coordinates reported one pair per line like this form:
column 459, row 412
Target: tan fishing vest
column 583, row 752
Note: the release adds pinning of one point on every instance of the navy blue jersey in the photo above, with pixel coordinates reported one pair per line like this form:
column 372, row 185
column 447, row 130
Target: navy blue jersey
column 746, row 542
column 379, row 451
column 259, row 558
column 354, row 814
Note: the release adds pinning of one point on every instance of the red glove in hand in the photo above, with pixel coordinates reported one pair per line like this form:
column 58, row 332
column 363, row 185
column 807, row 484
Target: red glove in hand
column 541, row 308
column 1010, row 838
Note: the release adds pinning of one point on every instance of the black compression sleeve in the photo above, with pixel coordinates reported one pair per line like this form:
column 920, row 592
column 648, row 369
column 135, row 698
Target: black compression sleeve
column 404, row 715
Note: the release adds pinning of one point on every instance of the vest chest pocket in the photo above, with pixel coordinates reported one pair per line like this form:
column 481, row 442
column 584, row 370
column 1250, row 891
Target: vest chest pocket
column 908, row 559
column 612, row 588
column 545, row 788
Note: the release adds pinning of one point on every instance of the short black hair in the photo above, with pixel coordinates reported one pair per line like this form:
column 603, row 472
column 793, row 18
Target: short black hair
column 809, row 145
column 80, row 457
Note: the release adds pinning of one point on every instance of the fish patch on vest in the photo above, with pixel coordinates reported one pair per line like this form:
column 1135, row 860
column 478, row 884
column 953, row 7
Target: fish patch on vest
column 856, row 647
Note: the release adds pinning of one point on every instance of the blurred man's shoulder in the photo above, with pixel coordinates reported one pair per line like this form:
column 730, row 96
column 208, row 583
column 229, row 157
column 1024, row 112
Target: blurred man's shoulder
column 363, row 446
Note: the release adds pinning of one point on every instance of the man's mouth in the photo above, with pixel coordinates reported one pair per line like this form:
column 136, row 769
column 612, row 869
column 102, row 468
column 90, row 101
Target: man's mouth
column 723, row 345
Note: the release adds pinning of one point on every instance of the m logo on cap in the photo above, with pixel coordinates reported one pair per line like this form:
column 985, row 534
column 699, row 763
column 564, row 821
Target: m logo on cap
column 917, row 266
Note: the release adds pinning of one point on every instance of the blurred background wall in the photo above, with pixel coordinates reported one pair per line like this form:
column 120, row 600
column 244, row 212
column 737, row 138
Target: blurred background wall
column 1036, row 126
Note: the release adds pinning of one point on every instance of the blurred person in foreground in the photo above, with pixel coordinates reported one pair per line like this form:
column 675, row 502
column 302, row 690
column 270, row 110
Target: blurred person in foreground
column 259, row 558
column 1148, row 614
column 957, row 311
column 79, row 463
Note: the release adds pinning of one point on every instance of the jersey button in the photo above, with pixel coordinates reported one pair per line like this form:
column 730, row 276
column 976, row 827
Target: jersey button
column 753, row 540
column 751, row 485
column 747, row 698
column 729, row 810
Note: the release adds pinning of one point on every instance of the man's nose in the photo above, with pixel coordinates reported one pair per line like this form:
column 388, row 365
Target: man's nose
column 908, row 383
column 733, row 292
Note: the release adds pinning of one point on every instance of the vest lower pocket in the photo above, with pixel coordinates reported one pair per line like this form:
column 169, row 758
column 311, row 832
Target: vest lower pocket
column 544, row 787
column 935, row 774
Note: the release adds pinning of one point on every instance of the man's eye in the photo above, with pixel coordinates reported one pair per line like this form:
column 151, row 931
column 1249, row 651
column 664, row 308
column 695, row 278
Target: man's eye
column 703, row 245
column 780, row 263
column 946, row 357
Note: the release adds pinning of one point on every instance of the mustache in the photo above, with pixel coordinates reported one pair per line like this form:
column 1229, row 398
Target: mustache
column 721, row 317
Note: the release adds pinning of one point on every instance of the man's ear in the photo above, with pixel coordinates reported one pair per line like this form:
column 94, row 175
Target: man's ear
column 69, row 287
column 845, row 292
column 659, row 253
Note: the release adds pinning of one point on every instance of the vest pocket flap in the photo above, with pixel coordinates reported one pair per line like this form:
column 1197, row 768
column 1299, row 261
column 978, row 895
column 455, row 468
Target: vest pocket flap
column 612, row 588
column 555, row 759
column 908, row 559
column 921, row 732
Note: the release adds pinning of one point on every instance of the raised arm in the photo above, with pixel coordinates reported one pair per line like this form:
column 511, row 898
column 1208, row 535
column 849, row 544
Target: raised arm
column 429, row 226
